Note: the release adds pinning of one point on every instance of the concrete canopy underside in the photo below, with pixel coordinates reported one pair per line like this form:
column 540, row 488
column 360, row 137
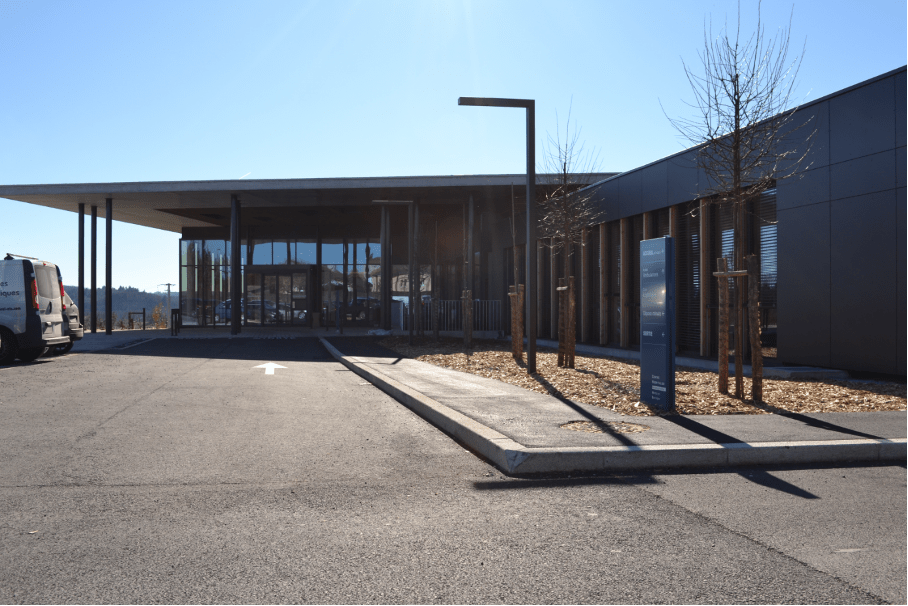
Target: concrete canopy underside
column 175, row 205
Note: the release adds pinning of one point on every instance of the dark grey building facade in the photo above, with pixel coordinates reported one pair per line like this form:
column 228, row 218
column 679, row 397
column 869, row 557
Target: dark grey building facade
column 836, row 277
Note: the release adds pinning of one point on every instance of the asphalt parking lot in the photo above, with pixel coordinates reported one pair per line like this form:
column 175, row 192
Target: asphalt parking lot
column 178, row 471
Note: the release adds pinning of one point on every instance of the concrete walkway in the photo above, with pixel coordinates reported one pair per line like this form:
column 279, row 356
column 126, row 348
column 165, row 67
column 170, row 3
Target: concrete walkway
column 522, row 432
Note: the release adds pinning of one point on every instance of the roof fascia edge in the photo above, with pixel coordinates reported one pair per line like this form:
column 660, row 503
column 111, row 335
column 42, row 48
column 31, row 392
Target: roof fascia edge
column 799, row 108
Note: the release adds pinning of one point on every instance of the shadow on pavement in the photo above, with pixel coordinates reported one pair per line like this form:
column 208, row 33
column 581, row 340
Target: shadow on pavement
column 814, row 422
column 702, row 430
column 602, row 425
column 761, row 476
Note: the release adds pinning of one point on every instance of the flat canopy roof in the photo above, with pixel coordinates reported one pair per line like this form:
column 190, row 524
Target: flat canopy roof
column 173, row 205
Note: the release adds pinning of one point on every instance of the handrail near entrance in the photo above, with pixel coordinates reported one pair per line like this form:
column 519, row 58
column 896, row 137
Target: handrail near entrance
column 486, row 315
column 137, row 313
column 176, row 321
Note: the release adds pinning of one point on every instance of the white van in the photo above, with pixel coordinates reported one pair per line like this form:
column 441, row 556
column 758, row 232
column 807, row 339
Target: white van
column 31, row 308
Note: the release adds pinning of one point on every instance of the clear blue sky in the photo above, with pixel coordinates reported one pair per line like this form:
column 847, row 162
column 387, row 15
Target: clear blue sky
column 147, row 91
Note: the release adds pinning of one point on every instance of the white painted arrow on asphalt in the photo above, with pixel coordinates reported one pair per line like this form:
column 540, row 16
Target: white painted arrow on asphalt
column 269, row 367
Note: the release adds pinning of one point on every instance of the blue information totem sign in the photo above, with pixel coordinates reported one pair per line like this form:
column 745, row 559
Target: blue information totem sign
column 657, row 323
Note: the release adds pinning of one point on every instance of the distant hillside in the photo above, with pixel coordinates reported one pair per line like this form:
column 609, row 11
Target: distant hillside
column 124, row 300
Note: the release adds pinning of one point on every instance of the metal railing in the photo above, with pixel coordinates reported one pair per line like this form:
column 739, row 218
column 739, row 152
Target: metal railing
column 486, row 315
column 136, row 313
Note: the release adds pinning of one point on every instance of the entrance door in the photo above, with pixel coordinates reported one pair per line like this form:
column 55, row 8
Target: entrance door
column 253, row 299
column 275, row 296
column 270, row 312
column 299, row 301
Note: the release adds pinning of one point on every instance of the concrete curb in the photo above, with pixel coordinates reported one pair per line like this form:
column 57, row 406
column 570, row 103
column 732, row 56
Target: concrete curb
column 514, row 458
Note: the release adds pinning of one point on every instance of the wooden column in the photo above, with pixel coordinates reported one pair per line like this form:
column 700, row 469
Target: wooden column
column 584, row 285
column 647, row 226
column 705, row 279
column 603, row 285
column 625, row 283
column 540, row 294
column 674, row 215
column 553, row 293
column 722, row 266
column 756, row 351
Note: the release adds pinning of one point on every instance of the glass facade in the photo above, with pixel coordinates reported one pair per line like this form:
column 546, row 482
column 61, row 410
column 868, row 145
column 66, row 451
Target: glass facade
column 282, row 282
column 204, row 281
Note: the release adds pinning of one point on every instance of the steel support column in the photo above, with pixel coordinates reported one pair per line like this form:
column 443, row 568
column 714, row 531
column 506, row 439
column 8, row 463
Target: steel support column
column 236, row 307
column 108, row 269
column 532, row 302
column 471, row 217
column 94, row 268
column 417, row 273
column 81, row 294
column 317, row 290
column 385, row 268
column 342, row 316
column 410, row 273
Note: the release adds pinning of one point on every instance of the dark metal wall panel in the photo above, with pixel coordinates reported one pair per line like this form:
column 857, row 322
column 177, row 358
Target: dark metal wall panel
column 631, row 190
column 654, row 187
column 809, row 187
column 681, row 185
column 803, row 285
column 817, row 119
column 900, row 274
column 868, row 313
column 900, row 165
column 863, row 175
column 900, row 109
column 704, row 182
column 862, row 121
column 607, row 200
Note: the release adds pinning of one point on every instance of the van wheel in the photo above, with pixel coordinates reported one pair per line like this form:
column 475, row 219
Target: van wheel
column 30, row 354
column 59, row 350
column 9, row 347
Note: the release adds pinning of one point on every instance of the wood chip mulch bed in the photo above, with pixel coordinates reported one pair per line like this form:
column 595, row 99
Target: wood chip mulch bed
column 615, row 383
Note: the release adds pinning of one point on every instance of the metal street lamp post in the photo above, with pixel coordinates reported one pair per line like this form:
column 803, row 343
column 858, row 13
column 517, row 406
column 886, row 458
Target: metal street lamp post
column 531, row 302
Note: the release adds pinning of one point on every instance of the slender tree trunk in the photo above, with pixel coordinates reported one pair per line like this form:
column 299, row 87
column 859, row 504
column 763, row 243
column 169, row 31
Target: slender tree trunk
column 738, row 207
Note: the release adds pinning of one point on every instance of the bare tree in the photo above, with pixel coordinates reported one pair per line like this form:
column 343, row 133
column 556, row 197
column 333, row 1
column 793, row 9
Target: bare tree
column 565, row 209
column 745, row 130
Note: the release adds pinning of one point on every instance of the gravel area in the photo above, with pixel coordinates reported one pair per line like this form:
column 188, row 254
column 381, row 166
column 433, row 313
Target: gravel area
column 615, row 383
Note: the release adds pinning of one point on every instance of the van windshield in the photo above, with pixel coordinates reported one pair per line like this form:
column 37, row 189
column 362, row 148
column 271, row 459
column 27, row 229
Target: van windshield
column 47, row 281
